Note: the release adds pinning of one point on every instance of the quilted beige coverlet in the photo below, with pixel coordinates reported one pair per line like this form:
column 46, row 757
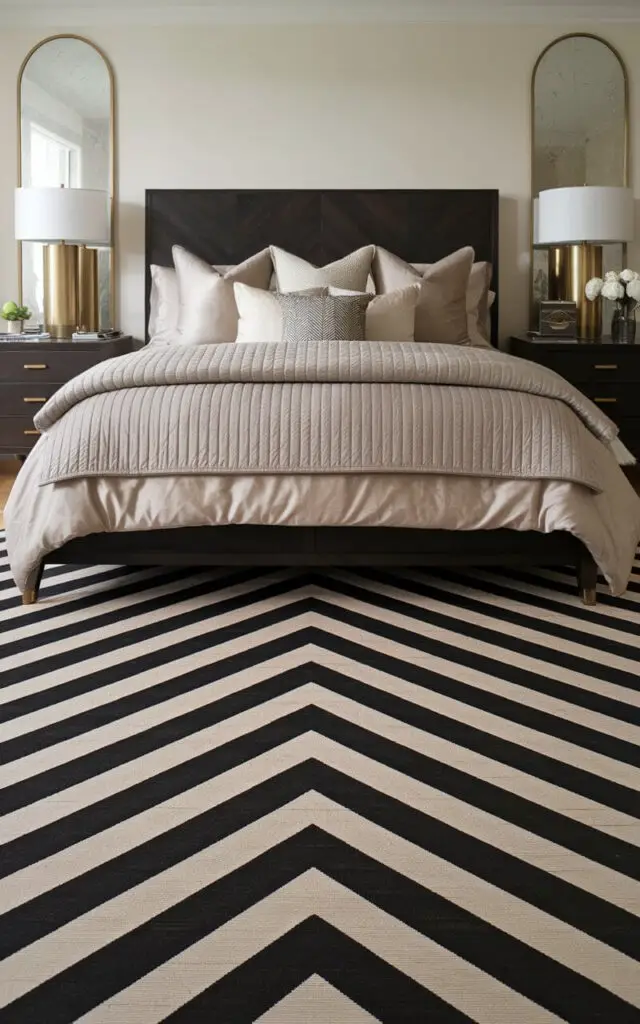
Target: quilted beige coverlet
column 329, row 407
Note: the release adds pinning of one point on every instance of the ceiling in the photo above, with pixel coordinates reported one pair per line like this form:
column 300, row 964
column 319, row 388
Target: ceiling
column 64, row 13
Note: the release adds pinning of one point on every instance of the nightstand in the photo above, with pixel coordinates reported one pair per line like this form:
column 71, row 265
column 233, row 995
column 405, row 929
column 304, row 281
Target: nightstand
column 607, row 372
column 30, row 372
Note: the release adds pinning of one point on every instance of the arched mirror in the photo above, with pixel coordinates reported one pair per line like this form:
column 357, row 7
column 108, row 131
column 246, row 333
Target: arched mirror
column 580, row 136
column 66, row 141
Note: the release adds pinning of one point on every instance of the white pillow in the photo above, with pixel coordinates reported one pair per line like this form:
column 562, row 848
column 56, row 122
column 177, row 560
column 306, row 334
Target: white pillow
column 164, row 305
column 390, row 317
column 260, row 313
column 208, row 313
column 294, row 274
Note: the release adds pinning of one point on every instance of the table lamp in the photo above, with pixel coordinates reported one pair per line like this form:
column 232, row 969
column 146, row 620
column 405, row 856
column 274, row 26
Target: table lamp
column 67, row 220
column 574, row 223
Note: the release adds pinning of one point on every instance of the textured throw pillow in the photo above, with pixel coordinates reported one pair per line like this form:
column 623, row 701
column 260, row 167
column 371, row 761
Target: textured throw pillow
column 309, row 315
column 441, row 313
column 294, row 274
column 323, row 317
column 208, row 311
column 260, row 313
column 390, row 317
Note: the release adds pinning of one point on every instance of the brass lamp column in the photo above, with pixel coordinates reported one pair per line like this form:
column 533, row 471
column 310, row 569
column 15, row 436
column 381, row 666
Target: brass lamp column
column 574, row 223
column 60, row 289
column 67, row 219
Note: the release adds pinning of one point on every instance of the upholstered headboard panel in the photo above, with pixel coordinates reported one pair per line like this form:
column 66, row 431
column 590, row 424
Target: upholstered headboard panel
column 225, row 226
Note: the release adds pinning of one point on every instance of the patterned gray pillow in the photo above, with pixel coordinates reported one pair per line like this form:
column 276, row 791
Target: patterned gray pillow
column 323, row 317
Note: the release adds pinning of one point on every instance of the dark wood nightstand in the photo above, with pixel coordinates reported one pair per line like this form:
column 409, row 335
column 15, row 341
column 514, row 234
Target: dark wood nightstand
column 30, row 372
column 607, row 372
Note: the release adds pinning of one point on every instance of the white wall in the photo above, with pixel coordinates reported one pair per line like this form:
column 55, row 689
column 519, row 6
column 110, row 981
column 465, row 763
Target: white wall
column 423, row 106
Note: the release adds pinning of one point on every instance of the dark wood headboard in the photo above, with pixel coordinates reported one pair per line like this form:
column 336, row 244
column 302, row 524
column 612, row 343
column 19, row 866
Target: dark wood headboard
column 225, row 226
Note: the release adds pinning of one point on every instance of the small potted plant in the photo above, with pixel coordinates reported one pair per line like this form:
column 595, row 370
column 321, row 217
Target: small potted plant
column 14, row 315
column 624, row 290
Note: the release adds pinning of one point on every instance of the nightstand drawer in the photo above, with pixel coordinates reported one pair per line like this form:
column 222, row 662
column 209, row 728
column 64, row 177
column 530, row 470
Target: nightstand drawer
column 17, row 433
column 586, row 364
column 42, row 364
column 616, row 399
column 630, row 435
column 24, row 399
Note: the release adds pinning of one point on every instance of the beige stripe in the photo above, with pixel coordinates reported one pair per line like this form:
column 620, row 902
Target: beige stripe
column 539, row 590
column 591, row 629
column 316, row 1002
column 452, row 978
column 210, row 620
column 528, row 786
column 110, row 692
column 59, row 868
column 562, row 749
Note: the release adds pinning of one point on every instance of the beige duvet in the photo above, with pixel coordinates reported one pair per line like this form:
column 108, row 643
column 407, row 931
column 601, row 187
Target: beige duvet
column 40, row 519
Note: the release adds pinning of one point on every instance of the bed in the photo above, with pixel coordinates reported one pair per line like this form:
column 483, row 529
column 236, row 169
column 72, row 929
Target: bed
column 316, row 519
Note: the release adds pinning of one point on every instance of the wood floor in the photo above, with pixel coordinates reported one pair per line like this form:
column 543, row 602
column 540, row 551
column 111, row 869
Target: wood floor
column 8, row 470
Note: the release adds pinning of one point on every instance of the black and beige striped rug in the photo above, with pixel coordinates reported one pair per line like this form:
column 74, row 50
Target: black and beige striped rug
column 342, row 797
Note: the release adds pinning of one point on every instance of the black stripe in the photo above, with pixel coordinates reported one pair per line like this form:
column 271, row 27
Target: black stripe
column 38, row 614
column 51, row 838
column 591, row 616
column 45, row 913
column 315, row 947
column 128, row 958
column 450, row 650
column 499, row 613
column 67, row 587
column 607, row 600
column 540, row 765
column 76, row 629
column 142, row 635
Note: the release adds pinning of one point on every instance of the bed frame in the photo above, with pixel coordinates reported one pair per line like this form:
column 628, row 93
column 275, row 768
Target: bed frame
column 225, row 227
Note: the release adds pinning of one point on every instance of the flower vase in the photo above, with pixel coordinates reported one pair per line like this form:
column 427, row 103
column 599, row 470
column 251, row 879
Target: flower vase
column 14, row 326
column 623, row 327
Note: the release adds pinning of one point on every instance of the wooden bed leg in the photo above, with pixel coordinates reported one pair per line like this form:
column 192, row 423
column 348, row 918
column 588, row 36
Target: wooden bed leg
column 30, row 596
column 587, row 579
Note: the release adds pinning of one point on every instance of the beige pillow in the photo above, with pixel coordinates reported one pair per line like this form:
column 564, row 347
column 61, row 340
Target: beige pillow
column 208, row 313
column 294, row 274
column 478, row 305
column 260, row 313
column 441, row 313
column 390, row 317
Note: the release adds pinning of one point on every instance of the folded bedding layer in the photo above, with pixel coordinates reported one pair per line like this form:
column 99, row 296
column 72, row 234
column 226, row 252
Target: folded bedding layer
column 323, row 408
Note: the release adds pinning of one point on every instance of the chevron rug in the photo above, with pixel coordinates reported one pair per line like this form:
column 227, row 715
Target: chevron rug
column 344, row 797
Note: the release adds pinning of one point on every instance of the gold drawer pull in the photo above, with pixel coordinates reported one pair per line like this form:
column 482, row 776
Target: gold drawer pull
column 40, row 400
column 31, row 432
column 606, row 366
column 601, row 400
column 34, row 366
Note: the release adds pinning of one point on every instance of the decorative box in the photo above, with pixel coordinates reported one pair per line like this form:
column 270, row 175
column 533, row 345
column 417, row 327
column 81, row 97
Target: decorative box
column 558, row 319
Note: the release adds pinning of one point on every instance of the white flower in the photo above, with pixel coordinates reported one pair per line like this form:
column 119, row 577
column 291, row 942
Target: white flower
column 593, row 288
column 611, row 275
column 633, row 289
column 628, row 275
column 612, row 290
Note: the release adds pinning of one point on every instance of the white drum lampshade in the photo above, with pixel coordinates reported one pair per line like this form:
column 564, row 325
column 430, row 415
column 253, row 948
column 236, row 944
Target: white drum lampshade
column 68, row 220
column 72, row 215
column 599, row 214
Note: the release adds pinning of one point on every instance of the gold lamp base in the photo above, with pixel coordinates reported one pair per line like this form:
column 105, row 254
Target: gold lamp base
column 88, row 311
column 570, row 267
column 60, row 289
column 70, row 289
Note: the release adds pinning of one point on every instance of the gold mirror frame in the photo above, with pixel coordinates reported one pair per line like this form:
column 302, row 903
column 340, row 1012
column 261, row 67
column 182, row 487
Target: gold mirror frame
column 112, row 158
column 626, row 141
